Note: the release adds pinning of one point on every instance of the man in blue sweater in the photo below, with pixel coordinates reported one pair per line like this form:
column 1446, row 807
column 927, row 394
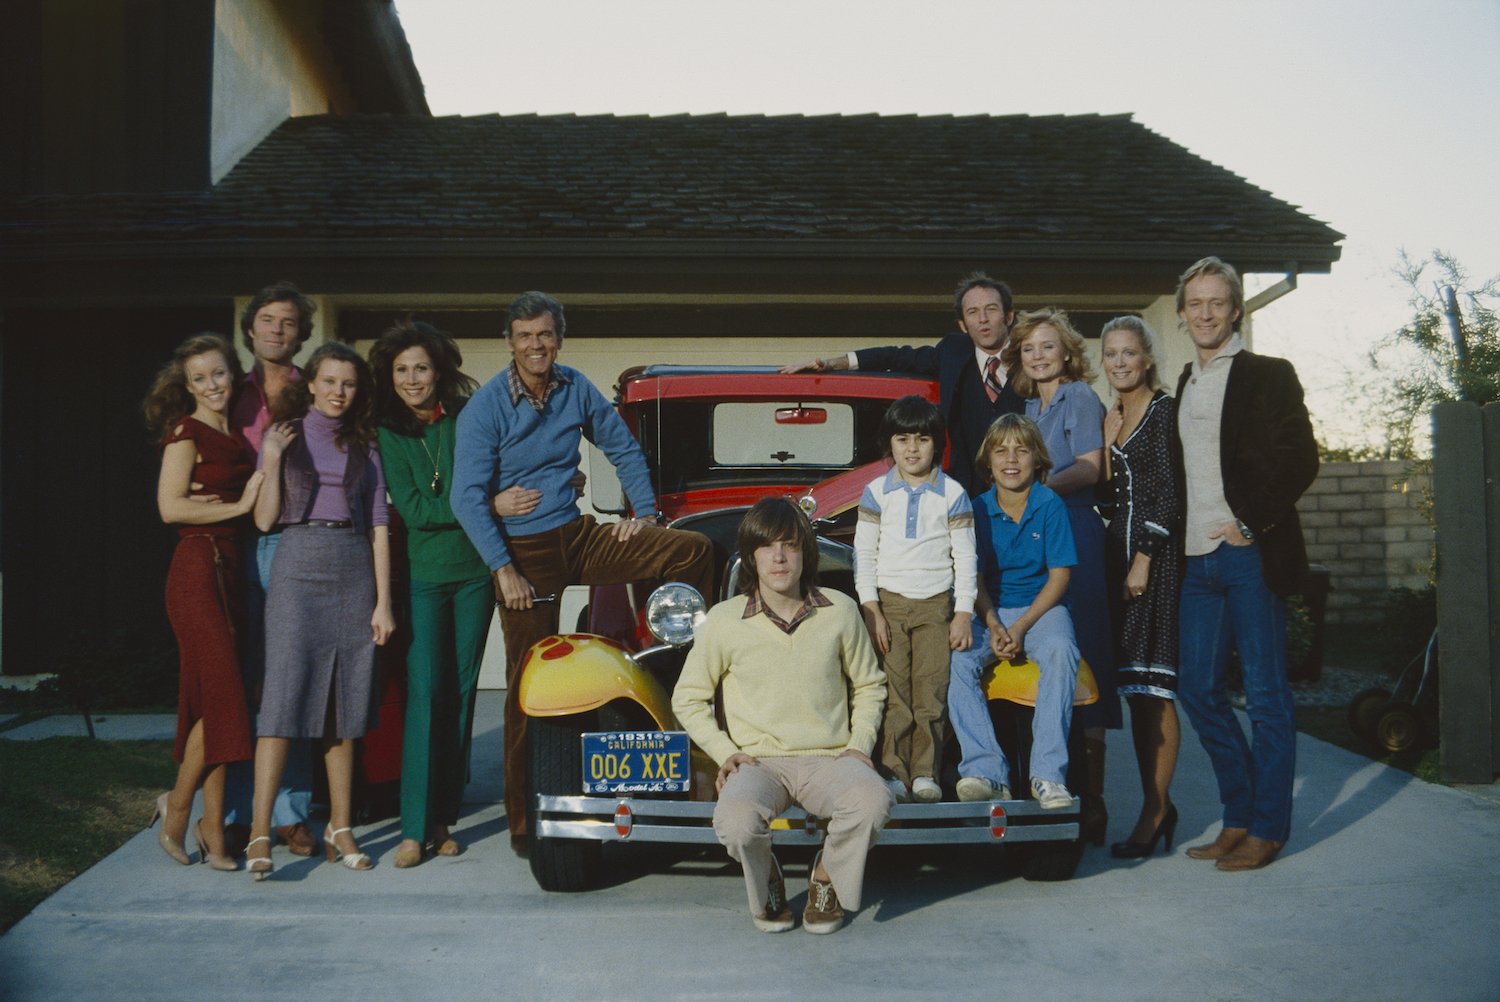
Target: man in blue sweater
column 516, row 456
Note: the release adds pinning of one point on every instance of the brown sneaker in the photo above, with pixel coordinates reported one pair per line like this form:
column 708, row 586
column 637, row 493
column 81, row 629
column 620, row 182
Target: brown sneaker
column 823, row 913
column 777, row 917
column 297, row 838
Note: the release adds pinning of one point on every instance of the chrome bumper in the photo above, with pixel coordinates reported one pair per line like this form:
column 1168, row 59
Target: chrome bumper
column 632, row 819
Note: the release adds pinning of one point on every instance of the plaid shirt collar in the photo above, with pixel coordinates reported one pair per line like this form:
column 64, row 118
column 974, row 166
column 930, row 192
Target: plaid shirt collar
column 815, row 600
column 518, row 389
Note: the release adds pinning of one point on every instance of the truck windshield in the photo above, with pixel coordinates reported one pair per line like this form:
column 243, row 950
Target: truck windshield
column 698, row 444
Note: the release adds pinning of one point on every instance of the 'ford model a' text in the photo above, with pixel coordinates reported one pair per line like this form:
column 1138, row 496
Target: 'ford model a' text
column 608, row 762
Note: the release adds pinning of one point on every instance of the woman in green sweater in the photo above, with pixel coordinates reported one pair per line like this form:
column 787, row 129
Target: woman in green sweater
column 419, row 390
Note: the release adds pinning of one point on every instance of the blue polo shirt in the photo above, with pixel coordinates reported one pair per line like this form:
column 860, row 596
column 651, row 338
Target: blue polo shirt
column 1014, row 557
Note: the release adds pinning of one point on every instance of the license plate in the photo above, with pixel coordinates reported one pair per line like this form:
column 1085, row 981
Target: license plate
column 635, row 762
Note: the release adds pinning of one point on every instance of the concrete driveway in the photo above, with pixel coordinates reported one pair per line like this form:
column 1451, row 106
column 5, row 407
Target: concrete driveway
column 1389, row 889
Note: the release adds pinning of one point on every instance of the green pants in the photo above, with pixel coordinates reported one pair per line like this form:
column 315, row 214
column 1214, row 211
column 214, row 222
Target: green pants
column 449, row 624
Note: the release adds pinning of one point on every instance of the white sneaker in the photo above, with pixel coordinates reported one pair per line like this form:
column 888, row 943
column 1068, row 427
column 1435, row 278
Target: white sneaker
column 1051, row 796
column 975, row 788
column 925, row 791
column 898, row 790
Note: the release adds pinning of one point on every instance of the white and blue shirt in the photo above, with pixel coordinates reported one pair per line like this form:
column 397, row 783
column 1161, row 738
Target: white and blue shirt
column 915, row 541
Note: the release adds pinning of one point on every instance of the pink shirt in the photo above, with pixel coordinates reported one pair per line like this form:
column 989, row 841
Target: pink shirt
column 251, row 415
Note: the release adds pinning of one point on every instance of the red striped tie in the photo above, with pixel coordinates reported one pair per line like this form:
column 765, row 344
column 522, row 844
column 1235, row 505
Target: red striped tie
column 991, row 384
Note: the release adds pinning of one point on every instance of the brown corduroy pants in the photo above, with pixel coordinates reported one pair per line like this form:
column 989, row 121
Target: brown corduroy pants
column 581, row 552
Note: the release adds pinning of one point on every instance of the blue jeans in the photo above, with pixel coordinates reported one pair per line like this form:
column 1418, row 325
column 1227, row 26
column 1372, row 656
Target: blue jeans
column 1050, row 643
column 294, row 798
column 1225, row 602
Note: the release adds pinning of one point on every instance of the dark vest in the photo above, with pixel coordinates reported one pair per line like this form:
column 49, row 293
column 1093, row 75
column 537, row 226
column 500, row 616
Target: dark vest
column 969, row 417
column 299, row 482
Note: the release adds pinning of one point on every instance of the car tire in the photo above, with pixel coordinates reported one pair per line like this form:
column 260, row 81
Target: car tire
column 1399, row 728
column 1049, row 861
column 1364, row 711
column 555, row 767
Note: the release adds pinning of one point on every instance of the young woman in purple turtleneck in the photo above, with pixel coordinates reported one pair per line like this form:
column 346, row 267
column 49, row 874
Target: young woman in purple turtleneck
column 329, row 602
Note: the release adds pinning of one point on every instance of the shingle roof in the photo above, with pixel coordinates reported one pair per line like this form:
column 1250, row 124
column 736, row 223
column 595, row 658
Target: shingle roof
column 1084, row 179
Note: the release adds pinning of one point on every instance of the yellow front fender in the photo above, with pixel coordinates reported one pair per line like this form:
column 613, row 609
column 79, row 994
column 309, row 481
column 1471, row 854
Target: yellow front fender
column 578, row 672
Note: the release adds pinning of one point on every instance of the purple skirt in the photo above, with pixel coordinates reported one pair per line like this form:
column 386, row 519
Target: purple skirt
column 319, row 645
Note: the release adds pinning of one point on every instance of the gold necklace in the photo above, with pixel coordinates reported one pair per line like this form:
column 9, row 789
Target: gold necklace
column 437, row 473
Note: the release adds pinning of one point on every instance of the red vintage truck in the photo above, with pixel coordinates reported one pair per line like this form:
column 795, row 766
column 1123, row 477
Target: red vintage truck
column 608, row 761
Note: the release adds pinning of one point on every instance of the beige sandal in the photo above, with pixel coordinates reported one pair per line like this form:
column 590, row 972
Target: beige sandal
column 259, row 866
column 352, row 860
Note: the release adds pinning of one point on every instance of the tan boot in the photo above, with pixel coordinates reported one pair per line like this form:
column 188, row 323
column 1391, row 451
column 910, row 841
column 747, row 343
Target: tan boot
column 1228, row 840
column 1251, row 854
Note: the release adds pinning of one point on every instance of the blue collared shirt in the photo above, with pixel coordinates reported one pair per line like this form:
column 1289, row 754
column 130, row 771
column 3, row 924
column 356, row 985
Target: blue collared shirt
column 1015, row 557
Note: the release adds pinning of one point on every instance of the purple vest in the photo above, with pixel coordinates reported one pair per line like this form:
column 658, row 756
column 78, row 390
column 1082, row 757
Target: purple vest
column 299, row 482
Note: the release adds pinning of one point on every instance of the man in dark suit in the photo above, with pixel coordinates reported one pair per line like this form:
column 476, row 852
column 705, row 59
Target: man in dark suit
column 973, row 386
column 1248, row 454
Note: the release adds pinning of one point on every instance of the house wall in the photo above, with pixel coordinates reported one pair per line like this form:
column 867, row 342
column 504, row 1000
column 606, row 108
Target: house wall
column 100, row 95
column 1365, row 522
column 268, row 64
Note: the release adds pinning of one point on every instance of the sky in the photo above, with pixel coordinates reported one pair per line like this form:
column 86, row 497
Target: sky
column 1376, row 119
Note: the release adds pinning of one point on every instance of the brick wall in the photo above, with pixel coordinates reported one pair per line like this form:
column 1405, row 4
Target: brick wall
column 1364, row 522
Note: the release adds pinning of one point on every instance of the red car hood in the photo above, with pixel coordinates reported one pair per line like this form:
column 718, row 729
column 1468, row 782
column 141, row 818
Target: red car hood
column 831, row 497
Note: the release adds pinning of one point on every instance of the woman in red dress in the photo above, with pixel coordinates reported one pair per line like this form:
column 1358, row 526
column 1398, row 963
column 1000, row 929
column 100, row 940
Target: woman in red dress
column 207, row 487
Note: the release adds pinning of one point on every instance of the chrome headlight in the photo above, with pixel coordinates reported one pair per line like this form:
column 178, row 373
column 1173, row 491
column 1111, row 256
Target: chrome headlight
column 673, row 613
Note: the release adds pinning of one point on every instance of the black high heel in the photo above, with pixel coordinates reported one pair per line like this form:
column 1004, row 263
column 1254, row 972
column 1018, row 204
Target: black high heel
column 1139, row 850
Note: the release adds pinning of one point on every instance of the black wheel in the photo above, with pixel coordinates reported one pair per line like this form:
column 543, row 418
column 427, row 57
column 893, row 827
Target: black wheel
column 1364, row 710
column 1398, row 728
column 556, row 768
column 1050, row 861
column 582, row 626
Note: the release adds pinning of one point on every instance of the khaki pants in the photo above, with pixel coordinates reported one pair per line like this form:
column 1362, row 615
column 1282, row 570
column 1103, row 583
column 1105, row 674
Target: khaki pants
column 581, row 552
column 916, row 684
column 844, row 791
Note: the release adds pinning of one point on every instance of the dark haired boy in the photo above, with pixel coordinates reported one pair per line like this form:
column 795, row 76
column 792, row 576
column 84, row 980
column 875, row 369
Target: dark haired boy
column 914, row 571
column 801, row 698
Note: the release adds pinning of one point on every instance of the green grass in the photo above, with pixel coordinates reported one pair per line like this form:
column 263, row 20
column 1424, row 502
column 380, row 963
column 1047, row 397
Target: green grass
column 65, row 804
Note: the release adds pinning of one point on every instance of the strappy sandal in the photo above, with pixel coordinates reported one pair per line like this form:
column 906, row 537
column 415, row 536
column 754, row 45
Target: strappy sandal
column 351, row 860
column 259, row 866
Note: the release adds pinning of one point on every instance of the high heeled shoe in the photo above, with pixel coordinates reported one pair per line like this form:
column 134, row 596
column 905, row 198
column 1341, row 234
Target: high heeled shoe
column 1139, row 850
column 259, row 866
column 352, row 860
column 217, row 860
column 169, row 845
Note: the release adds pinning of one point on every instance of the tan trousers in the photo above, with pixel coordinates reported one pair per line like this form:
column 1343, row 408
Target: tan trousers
column 581, row 552
column 848, row 794
column 916, row 684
